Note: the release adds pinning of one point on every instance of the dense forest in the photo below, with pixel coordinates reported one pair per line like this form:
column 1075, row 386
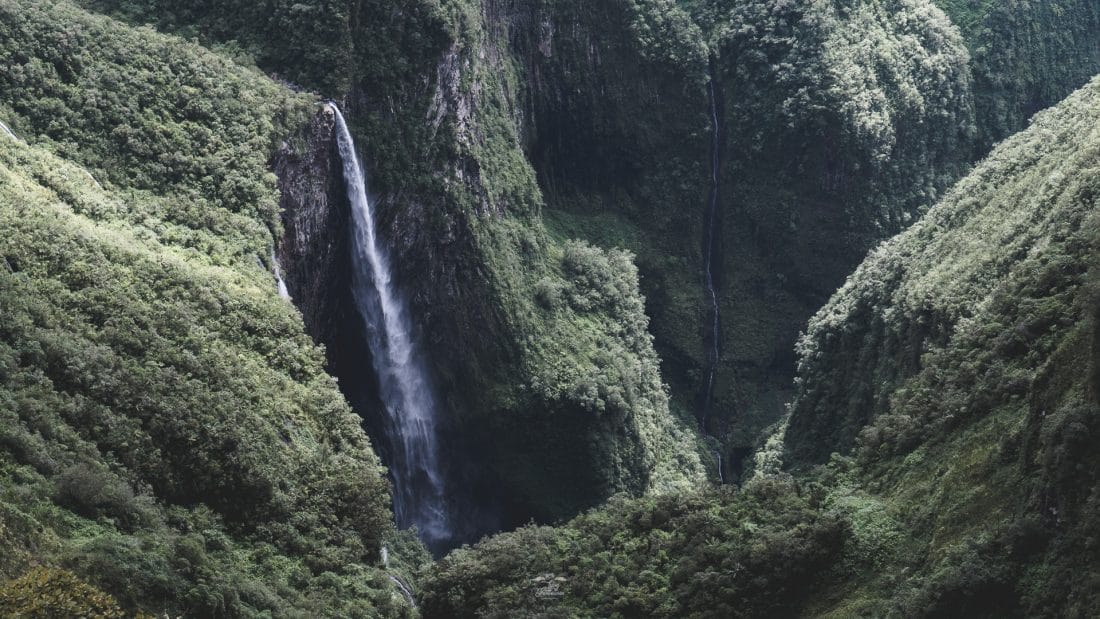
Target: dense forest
column 557, row 308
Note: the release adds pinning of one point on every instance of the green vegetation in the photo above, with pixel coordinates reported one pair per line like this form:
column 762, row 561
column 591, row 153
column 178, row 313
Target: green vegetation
column 190, row 127
column 309, row 42
column 1026, row 56
column 168, row 432
column 43, row 593
column 716, row 554
column 171, row 444
column 959, row 364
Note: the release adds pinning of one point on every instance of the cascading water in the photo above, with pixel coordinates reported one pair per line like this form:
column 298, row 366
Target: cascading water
column 709, row 254
column 9, row 132
column 280, row 283
column 410, row 410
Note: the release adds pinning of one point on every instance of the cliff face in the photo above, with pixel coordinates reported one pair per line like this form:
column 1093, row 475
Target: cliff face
column 817, row 161
column 314, row 249
column 531, row 380
column 534, row 426
column 615, row 121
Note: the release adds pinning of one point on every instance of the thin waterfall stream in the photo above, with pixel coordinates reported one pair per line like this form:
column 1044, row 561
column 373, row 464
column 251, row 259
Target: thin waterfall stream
column 709, row 252
column 8, row 132
column 410, row 410
column 280, row 283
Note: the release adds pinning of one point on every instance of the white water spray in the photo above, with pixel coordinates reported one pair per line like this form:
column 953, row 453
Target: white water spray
column 8, row 132
column 419, row 497
column 280, row 283
column 406, row 592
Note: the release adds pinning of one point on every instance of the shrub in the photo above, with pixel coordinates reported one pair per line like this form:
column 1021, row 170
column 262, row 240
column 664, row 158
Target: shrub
column 46, row 593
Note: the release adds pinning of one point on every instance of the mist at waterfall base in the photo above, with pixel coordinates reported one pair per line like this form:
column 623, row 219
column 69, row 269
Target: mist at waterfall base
column 410, row 425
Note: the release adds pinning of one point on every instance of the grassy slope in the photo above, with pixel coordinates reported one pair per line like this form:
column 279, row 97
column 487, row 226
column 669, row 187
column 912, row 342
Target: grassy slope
column 169, row 434
column 974, row 489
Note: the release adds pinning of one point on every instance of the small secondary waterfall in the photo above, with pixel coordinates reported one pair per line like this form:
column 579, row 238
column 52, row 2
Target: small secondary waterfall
column 709, row 251
column 410, row 410
column 280, row 283
column 8, row 132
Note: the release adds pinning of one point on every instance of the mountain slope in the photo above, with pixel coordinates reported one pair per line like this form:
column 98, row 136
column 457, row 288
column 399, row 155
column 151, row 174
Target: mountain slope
column 169, row 434
column 972, row 489
column 1026, row 56
column 965, row 352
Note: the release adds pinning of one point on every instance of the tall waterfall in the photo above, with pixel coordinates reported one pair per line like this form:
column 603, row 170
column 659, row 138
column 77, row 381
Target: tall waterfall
column 709, row 255
column 404, row 387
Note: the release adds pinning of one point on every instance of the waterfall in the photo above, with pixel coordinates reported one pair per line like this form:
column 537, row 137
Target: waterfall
column 406, row 592
column 8, row 132
column 404, row 387
column 708, row 257
column 280, row 283
column 709, row 251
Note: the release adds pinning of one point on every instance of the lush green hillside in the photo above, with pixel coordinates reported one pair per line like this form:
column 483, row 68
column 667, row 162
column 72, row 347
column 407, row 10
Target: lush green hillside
column 967, row 348
column 842, row 122
column 1026, row 55
column 168, row 432
column 971, row 491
